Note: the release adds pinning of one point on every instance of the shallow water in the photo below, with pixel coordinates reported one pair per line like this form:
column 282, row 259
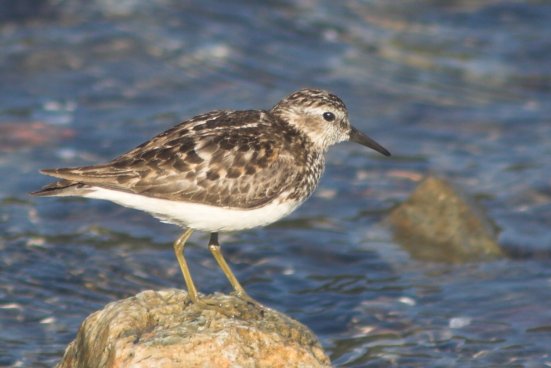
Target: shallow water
column 461, row 90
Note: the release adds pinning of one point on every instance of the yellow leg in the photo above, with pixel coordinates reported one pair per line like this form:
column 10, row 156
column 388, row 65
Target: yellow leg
column 214, row 248
column 179, row 251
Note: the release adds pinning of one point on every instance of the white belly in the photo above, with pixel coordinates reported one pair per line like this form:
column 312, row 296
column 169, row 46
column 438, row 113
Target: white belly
column 198, row 216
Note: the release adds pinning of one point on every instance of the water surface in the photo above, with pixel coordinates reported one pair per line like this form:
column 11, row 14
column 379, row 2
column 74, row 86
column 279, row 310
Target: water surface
column 456, row 88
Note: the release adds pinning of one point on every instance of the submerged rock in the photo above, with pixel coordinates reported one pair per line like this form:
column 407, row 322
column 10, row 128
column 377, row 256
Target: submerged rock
column 163, row 329
column 438, row 224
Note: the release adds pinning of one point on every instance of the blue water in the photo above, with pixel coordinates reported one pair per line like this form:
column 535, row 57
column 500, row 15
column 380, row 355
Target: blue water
column 458, row 88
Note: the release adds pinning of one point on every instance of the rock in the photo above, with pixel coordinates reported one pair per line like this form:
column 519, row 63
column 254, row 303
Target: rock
column 438, row 224
column 164, row 329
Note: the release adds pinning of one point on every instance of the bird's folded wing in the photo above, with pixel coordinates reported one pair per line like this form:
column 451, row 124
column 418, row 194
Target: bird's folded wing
column 239, row 167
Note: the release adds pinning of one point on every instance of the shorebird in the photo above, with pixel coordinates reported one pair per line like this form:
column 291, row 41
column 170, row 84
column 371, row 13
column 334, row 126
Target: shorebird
column 223, row 170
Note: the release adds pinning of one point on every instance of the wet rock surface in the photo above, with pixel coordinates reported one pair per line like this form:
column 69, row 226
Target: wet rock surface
column 164, row 329
column 438, row 223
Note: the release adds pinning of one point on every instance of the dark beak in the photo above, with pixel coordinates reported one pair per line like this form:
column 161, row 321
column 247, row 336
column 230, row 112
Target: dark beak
column 359, row 137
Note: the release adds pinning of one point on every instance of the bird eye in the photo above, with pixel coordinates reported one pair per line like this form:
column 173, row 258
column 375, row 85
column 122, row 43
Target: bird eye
column 329, row 116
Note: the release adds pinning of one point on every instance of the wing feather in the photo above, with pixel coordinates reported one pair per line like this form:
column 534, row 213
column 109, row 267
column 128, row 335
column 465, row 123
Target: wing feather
column 240, row 159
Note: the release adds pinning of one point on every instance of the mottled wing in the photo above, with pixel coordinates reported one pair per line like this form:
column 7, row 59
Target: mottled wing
column 240, row 159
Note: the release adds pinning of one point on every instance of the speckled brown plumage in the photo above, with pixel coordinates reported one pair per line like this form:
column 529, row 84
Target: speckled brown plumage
column 236, row 159
column 239, row 159
column 222, row 171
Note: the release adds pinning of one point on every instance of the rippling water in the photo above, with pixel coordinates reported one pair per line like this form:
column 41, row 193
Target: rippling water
column 457, row 88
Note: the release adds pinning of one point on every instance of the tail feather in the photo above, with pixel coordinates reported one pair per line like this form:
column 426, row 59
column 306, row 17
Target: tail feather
column 62, row 188
column 90, row 173
column 77, row 181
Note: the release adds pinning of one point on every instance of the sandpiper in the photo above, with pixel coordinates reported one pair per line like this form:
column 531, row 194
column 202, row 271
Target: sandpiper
column 223, row 170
